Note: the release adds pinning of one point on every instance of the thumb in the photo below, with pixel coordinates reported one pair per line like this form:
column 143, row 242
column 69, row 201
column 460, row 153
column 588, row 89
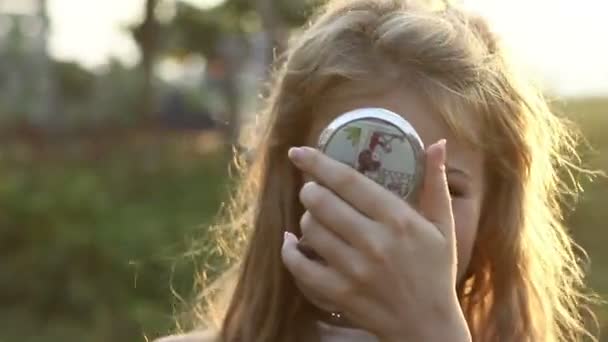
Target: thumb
column 435, row 200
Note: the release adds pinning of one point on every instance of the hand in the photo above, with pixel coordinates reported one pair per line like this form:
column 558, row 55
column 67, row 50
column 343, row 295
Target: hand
column 388, row 268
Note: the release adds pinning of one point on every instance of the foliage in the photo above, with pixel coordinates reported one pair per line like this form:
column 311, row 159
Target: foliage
column 74, row 82
column 201, row 30
column 90, row 247
column 588, row 220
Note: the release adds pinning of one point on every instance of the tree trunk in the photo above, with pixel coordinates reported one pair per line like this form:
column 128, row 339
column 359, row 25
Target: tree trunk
column 147, row 36
column 231, row 52
column 54, row 118
column 274, row 27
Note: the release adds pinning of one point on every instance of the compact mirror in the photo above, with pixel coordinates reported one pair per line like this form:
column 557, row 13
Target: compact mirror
column 380, row 144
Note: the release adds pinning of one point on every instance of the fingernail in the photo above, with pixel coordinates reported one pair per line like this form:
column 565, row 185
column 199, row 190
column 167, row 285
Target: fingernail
column 296, row 154
column 285, row 239
column 288, row 236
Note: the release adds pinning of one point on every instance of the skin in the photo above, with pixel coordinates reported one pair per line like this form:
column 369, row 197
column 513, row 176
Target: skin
column 390, row 269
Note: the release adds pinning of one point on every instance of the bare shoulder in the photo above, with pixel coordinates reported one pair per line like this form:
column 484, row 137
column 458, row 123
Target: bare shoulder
column 202, row 336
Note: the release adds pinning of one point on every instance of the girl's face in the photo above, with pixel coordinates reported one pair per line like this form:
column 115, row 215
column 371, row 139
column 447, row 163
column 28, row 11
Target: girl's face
column 464, row 164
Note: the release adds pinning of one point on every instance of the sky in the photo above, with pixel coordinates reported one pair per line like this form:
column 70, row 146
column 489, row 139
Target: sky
column 563, row 43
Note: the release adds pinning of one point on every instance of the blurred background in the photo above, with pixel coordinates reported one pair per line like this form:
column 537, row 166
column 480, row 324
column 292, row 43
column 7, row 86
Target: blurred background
column 116, row 119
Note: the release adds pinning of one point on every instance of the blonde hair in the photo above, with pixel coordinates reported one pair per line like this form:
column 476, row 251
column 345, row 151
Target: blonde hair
column 524, row 282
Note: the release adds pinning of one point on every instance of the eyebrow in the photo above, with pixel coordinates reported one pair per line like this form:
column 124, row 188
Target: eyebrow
column 451, row 169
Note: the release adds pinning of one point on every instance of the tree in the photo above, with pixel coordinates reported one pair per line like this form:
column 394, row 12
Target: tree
column 273, row 24
column 220, row 34
column 217, row 35
column 147, row 37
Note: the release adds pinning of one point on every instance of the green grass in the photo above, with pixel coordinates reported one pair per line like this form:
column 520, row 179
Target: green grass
column 90, row 247
column 589, row 221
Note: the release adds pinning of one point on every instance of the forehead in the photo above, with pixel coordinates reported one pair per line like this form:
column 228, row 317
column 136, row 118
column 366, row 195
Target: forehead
column 429, row 124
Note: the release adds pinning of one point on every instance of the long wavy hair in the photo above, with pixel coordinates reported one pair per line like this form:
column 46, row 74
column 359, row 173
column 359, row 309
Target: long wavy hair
column 524, row 282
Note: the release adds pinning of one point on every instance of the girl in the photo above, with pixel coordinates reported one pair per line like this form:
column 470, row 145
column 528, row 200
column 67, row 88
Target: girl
column 483, row 256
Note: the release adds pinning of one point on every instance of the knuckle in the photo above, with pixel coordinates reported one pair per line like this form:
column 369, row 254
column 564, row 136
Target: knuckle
column 309, row 226
column 378, row 249
column 305, row 222
column 313, row 196
column 309, row 193
column 346, row 179
column 362, row 272
column 400, row 221
column 345, row 293
column 314, row 159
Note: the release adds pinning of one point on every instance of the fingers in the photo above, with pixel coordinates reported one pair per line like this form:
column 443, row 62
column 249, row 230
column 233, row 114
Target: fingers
column 317, row 299
column 362, row 193
column 338, row 254
column 309, row 273
column 338, row 216
column 327, row 289
column 435, row 201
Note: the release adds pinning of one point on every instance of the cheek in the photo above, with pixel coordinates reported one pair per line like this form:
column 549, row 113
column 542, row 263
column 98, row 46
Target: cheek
column 466, row 217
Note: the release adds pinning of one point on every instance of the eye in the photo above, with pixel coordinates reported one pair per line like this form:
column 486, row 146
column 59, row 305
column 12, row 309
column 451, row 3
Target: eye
column 456, row 191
